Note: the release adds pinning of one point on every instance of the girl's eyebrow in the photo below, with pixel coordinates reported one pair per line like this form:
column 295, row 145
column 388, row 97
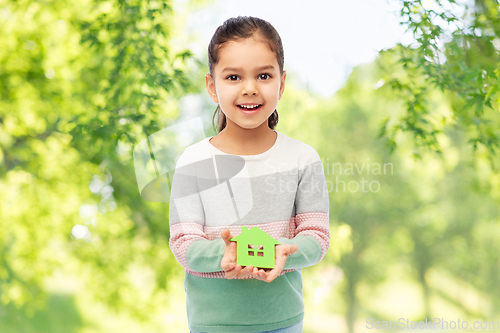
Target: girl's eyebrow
column 234, row 69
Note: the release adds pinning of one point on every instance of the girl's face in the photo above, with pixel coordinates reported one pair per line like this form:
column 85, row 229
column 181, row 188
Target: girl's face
column 247, row 74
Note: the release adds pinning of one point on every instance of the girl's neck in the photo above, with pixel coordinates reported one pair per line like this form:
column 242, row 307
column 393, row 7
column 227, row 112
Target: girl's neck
column 241, row 141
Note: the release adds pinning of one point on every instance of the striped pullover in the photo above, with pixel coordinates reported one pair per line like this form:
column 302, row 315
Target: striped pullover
column 281, row 191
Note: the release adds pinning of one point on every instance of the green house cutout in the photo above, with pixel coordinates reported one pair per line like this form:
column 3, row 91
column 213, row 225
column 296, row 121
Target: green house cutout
column 255, row 247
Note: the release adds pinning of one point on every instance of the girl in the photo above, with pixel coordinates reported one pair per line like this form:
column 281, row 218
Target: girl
column 247, row 175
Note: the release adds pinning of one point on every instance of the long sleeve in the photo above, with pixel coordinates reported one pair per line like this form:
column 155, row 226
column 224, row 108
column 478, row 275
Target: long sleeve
column 188, row 241
column 312, row 233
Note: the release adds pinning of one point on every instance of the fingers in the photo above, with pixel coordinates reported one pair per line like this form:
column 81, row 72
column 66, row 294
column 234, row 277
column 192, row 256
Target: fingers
column 291, row 249
column 248, row 271
column 231, row 274
column 239, row 272
column 229, row 260
column 286, row 249
column 278, row 268
column 227, row 265
column 231, row 250
column 274, row 272
column 282, row 253
column 259, row 274
column 226, row 236
column 245, row 272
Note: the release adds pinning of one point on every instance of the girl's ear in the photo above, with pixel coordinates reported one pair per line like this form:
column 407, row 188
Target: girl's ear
column 209, row 83
column 282, row 85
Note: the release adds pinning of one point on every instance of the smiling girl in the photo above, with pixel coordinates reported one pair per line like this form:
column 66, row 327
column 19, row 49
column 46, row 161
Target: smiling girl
column 247, row 80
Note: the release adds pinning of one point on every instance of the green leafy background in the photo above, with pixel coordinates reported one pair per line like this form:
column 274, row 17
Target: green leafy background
column 409, row 146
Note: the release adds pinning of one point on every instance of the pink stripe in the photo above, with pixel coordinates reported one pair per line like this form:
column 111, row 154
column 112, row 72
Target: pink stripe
column 316, row 225
column 275, row 229
column 181, row 236
column 312, row 224
column 221, row 275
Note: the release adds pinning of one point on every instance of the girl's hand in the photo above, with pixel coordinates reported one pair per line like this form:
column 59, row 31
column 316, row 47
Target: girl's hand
column 260, row 273
column 282, row 253
column 228, row 263
column 229, row 260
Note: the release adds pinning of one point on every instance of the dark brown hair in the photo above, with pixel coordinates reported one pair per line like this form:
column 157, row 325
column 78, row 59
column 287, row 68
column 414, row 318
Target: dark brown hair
column 243, row 27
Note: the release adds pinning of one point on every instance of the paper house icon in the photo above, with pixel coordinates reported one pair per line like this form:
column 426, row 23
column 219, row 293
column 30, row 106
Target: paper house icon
column 255, row 247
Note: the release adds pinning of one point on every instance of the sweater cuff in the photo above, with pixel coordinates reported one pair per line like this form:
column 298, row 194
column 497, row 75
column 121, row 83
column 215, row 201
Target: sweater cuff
column 205, row 256
column 308, row 252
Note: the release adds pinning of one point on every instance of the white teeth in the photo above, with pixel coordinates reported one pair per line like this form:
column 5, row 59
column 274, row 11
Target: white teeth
column 249, row 106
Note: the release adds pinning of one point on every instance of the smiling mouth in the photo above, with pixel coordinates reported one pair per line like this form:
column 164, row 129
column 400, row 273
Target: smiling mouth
column 243, row 108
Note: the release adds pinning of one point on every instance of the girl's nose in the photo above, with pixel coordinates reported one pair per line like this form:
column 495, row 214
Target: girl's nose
column 250, row 88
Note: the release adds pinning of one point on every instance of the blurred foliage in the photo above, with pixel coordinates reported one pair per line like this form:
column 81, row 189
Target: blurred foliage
column 466, row 67
column 59, row 316
column 82, row 82
column 433, row 215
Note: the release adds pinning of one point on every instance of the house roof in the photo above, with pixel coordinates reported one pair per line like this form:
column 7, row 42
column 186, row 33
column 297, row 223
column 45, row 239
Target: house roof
column 254, row 235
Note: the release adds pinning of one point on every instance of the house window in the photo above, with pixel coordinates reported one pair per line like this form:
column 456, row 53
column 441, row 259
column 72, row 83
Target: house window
column 260, row 250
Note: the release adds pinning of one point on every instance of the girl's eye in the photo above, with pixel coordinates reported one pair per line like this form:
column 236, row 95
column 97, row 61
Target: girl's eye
column 263, row 76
